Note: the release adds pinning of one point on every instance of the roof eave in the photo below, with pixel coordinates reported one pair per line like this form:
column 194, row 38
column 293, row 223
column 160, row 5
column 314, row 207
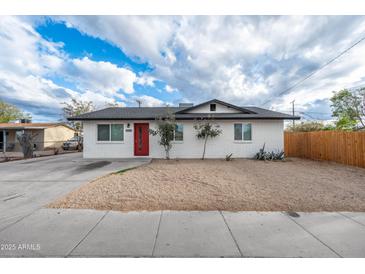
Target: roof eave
column 185, row 118
column 216, row 101
column 22, row 128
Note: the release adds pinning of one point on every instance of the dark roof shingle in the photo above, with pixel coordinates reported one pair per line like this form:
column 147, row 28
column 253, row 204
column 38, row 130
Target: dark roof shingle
column 31, row 125
column 151, row 113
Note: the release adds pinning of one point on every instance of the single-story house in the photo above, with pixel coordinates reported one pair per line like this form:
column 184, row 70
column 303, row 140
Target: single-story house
column 123, row 132
column 45, row 135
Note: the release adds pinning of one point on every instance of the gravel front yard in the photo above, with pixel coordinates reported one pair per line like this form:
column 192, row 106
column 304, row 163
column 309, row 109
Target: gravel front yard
column 294, row 185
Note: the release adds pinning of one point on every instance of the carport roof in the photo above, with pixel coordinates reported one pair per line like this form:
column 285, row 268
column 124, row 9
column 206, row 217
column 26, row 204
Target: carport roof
column 21, row 126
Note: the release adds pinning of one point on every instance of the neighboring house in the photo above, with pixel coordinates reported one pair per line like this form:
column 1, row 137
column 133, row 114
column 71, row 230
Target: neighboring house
column 45, row 135
column 123, row 132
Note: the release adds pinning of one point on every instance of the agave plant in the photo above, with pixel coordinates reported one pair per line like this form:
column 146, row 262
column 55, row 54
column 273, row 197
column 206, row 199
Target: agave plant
column 269, row 156
column 229, row 157
column 261, row 155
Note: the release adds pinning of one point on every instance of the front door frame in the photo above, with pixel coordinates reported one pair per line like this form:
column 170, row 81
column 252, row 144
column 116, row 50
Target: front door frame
column 144, row 139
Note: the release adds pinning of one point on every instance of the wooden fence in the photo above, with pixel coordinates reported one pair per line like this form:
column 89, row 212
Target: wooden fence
column 343, row 147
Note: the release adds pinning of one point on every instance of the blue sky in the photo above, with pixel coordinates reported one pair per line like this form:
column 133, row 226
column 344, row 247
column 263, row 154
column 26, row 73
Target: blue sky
column 245, row 60
column 79, row 45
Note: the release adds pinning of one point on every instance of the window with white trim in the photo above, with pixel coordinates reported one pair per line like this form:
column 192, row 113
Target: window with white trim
column 110, row 132
column 179, row 132
column 243, row 132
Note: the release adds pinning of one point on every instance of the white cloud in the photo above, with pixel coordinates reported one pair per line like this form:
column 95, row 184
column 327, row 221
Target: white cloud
column 103, row 77
column 347, row 72
column 139, row 36
column 169, row 89
column 149, row 101
column 33, row 90
column 242, row 59
column 41, row 93
column 99, row 100
column 27, row 61
column 24, row 51
column 147, row 80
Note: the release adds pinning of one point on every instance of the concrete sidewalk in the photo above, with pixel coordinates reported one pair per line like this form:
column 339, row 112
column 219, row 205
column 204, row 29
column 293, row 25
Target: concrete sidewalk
column 91, row 233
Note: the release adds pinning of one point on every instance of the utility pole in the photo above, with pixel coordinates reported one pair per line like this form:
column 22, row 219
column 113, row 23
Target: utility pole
column 292, row 102
column 139, row 102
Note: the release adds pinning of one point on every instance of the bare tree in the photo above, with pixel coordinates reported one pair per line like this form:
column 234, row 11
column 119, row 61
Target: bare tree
column 76, row 107
column 25, row 140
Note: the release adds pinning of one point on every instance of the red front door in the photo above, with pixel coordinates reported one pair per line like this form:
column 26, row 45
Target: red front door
column 141, row 139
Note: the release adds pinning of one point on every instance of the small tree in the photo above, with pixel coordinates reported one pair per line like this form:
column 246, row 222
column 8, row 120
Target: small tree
column 74, row 108
column 345, row 122
column 308, row 126
column 349, row 108
column 205, row 130
column 10, row 112
column 165, row 130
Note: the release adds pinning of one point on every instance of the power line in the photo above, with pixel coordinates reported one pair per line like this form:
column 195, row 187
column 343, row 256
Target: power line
column 320, row 68
column 309, row 113
column 314, row 112
column 312, row 117
column 321, row 117
column 293, row 112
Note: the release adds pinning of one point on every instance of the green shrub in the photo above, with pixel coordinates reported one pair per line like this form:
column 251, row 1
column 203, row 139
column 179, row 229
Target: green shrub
column 306, row 126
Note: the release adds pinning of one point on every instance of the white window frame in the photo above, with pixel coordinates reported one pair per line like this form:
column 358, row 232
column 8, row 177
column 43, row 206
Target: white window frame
column 110, row 134
column 179, row 141
column 242, row 140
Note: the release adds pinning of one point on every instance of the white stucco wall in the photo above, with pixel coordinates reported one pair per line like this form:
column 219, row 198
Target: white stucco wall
column 263, row 131
column 56, row 136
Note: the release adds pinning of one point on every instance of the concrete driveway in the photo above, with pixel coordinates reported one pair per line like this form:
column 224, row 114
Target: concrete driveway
column 27, row 185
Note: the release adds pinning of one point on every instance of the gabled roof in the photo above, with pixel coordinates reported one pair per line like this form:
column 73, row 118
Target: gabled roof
column 152, row 113
column 126, row 113
column 242, row 109
column 21, row 126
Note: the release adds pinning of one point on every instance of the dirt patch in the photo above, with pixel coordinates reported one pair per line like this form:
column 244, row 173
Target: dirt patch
column 294, row 185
